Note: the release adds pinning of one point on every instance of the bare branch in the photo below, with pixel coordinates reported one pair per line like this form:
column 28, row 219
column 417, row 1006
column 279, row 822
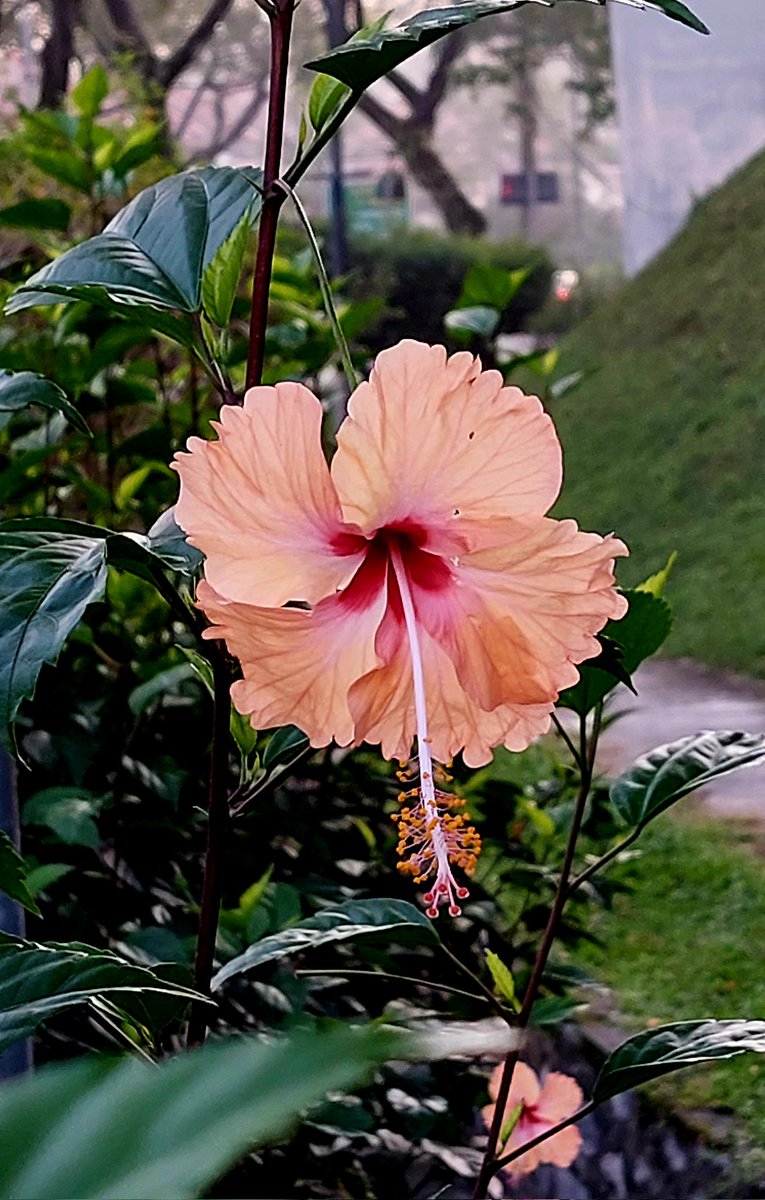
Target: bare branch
column 132, row 37
column 180, row 59
column 223, row 140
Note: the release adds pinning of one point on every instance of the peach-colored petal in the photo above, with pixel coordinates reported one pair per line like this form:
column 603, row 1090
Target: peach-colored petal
column 298, row 666
column 434, row 440
column 260, row 504
column 521, row 613
column 559, row 1150
column 560, row 1097
column 524, row 1088
column 382, row 704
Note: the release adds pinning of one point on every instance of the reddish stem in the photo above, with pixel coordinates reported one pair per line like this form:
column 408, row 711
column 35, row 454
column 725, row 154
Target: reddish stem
column 281, row 27
column 489, row 1166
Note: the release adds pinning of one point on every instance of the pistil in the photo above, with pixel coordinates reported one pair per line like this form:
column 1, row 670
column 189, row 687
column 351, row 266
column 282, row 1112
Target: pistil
column 431, row 833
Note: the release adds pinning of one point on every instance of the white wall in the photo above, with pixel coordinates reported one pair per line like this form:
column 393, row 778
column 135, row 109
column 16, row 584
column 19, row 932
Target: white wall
column 691, row 110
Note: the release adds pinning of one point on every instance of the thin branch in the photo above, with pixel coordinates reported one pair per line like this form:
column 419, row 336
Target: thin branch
column 562, row 731
column 500, row 1163
column 240, row 125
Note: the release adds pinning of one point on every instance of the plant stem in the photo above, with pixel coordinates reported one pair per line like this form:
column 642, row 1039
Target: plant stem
column 217, row 825
column 587, row 760
column 325, row 287
column 613, row 853
column 280, row 18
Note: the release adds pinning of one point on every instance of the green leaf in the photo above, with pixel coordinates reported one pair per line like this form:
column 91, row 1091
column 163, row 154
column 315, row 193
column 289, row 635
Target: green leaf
column 678, row 12
column 13, row 875
column 37, row 214
column 139, row 146
column 353, row 919
column 655, row 584
column 19, row 389
column 38, row 980
column 478, row 321
column 492, row 287
column 671, row 1047
column 103, row 1131
column 47, row 581
column 68, row 811
column 155, row 251
column 663, row 776
column 221, row 277
column 89, row 94
column 324, row 98
column 65, row 166
column 502, row 977
column 283, row 746
column 639, row 634
column 367, row 58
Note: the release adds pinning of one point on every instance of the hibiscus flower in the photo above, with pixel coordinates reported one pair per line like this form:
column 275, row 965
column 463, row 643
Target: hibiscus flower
column 533, row 1108
column 415, row 589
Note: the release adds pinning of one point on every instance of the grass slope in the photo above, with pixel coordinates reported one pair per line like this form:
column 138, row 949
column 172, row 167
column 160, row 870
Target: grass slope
column 686, row 942
column 666, row 442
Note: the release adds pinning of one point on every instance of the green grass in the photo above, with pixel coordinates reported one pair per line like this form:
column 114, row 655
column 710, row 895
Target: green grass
column 666, row 441
column 688, row 942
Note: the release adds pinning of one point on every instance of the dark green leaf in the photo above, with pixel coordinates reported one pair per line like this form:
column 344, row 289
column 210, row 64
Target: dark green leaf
column 155, row 251
column 353, row 919
column 19, row 389
column 37, row 980
column 664, row 775
column 125, row 1131
column 670, row 1047
column 639, row 634
column 37, row 214
column 47, row 581
column 68, row 811
column 167, row 540
column 283, row 746
column 367, row 58
column 89, row 94
column 115, row 264
column 13, row 875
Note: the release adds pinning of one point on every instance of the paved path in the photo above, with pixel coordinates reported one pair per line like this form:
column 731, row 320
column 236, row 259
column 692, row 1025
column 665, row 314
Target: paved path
column 677, row 698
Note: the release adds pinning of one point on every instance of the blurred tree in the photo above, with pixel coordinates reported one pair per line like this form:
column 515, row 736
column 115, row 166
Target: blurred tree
column 412, row 132
column 511, row 54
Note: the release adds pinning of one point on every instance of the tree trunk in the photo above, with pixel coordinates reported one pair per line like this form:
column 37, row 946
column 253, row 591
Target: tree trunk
column 57, row 55
column 428, row 169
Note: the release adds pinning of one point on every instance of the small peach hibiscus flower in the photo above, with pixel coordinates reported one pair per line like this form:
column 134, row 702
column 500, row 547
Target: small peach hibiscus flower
column 414, row 589
column 533, row 1108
